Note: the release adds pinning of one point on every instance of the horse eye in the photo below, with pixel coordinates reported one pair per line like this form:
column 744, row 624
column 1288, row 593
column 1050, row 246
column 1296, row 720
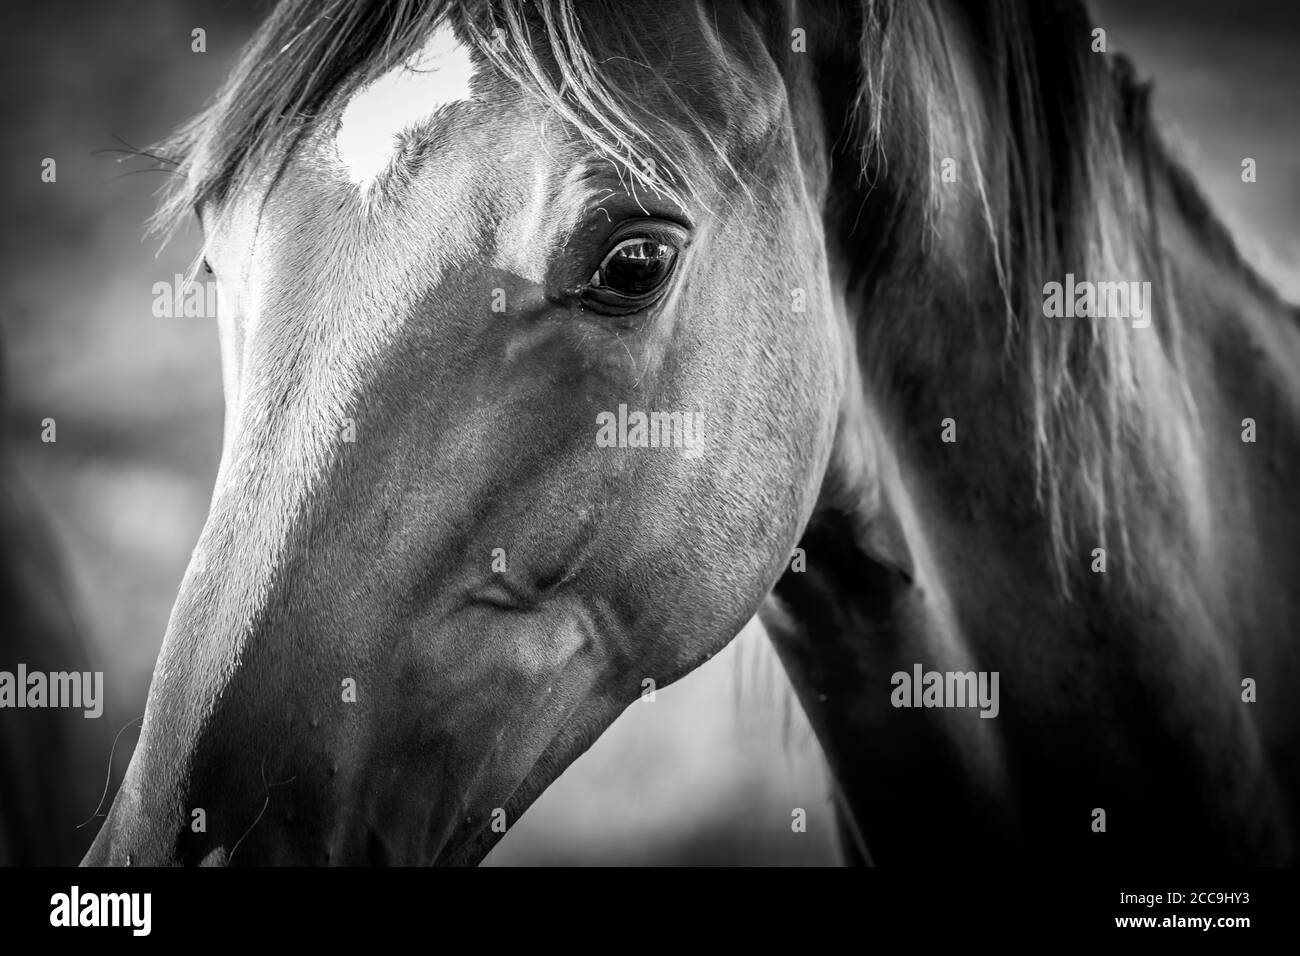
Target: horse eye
column 635, row 268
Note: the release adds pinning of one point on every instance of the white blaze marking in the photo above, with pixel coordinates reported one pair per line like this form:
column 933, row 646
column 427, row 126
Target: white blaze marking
column 399, row 100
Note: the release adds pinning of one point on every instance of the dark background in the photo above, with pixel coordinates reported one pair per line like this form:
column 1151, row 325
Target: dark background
column 711, row 770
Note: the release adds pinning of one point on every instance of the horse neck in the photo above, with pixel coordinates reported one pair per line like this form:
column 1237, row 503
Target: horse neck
column 937, row 553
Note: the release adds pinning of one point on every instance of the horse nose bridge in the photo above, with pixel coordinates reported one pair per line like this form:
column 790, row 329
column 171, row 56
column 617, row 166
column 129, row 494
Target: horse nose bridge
column 199, row 801
column 240, row 738
column 230, row 737
column 142, row 825
column 264, row 772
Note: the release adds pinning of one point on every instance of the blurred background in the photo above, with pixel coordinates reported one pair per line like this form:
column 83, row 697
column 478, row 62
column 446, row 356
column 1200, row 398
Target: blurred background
column 99, row 525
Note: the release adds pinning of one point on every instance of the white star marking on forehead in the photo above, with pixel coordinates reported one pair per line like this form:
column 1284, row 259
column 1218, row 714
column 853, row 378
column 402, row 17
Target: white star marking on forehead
column 439, row 74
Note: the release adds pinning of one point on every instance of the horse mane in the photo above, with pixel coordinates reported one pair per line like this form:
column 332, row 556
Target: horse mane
column 1063, row 154
column 1064, row 162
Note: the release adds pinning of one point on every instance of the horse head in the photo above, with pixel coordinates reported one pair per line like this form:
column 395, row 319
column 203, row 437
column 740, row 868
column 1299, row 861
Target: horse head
column 559, row 340
column 530, row 392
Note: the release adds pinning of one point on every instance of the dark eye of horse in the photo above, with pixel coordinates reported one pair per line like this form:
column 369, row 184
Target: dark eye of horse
column 634, row 270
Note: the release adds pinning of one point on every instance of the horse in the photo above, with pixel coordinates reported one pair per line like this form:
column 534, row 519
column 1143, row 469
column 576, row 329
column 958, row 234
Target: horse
column 561, row 339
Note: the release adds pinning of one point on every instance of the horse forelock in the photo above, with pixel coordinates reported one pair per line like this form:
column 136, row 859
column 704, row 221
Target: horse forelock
column 589, row 71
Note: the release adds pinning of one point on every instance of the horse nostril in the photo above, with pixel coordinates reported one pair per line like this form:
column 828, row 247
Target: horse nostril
column 216, row 857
